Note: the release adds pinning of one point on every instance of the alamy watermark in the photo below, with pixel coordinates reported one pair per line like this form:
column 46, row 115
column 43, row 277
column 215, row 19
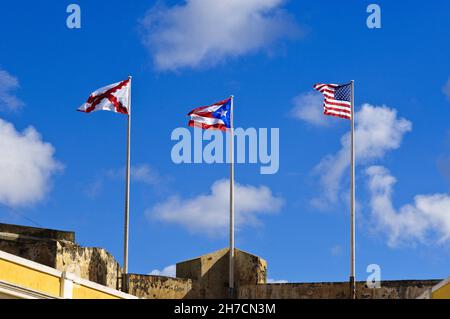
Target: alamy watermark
column 374, row 19
column 251, row 146
column 73, row 20
column 374, row 279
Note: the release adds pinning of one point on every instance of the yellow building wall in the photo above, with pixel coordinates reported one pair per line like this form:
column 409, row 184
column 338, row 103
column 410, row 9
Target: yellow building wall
column 49, row 284
column 82, row 292
column 442, row 293
column 29, row 278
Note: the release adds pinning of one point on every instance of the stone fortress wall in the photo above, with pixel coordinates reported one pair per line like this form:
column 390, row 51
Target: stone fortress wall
column 202, row 277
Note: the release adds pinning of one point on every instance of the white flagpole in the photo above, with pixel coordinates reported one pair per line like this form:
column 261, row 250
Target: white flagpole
column 231, row 252
column 127, row 198
column 352, row 197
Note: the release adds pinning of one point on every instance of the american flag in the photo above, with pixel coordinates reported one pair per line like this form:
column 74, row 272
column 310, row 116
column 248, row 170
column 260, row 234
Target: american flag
column 337, row 99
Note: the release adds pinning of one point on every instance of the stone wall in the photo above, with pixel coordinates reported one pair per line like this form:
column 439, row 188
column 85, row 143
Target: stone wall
column 202, row 277
column 158, row 287
column 39, row 233
column 396, row 289
column 40, row 251
column 209, row 273
column 92, row 263
column 57, row 249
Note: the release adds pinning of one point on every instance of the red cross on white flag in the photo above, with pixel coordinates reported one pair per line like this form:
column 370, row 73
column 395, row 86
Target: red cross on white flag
column 114, row 97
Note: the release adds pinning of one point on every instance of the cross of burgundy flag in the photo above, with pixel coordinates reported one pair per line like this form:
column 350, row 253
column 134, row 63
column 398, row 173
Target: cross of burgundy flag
column 337, row 99
column 215, row 116
column 114, row 97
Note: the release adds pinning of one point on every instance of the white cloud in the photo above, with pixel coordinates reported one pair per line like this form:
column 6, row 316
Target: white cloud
column 378, row 130
column 309, row 108
column 145, row 174
column 141, row 173
column 446, row 89
column 27, row 165
column 206, row 32
column 209, row 213
column 275, row 281
column 92, row 190
column 443, row 164
column 426, row 218
column 8, row 84
column 336, row 250
column 169, row 271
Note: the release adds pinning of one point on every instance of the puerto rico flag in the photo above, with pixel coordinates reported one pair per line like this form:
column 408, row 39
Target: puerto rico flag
column 114, row 97
column 216, row 116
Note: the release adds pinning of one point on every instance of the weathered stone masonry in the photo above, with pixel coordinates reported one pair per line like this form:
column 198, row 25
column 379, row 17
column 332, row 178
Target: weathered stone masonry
column 202, row 277
column 58, row 249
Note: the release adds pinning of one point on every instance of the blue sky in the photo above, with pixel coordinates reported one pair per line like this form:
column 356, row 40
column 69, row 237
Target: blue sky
column 267, row 53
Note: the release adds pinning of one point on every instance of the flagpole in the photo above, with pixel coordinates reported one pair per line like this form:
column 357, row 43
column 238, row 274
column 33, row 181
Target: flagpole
column 127, row 198
column 231, row 250
column 352, row 197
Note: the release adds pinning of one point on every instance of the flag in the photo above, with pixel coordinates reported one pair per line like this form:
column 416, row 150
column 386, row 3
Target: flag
column 216, row 116
column 114, row 97
column 337, row 99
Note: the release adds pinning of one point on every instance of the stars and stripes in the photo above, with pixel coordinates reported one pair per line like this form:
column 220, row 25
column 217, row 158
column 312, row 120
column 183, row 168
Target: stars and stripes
column 337, row 99
column 216, row 116
column 114, row 97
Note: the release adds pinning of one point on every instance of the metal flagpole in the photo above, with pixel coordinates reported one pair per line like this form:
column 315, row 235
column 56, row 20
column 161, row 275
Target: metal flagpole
column 352, row 197
column 231, row 252
column 127, row 198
